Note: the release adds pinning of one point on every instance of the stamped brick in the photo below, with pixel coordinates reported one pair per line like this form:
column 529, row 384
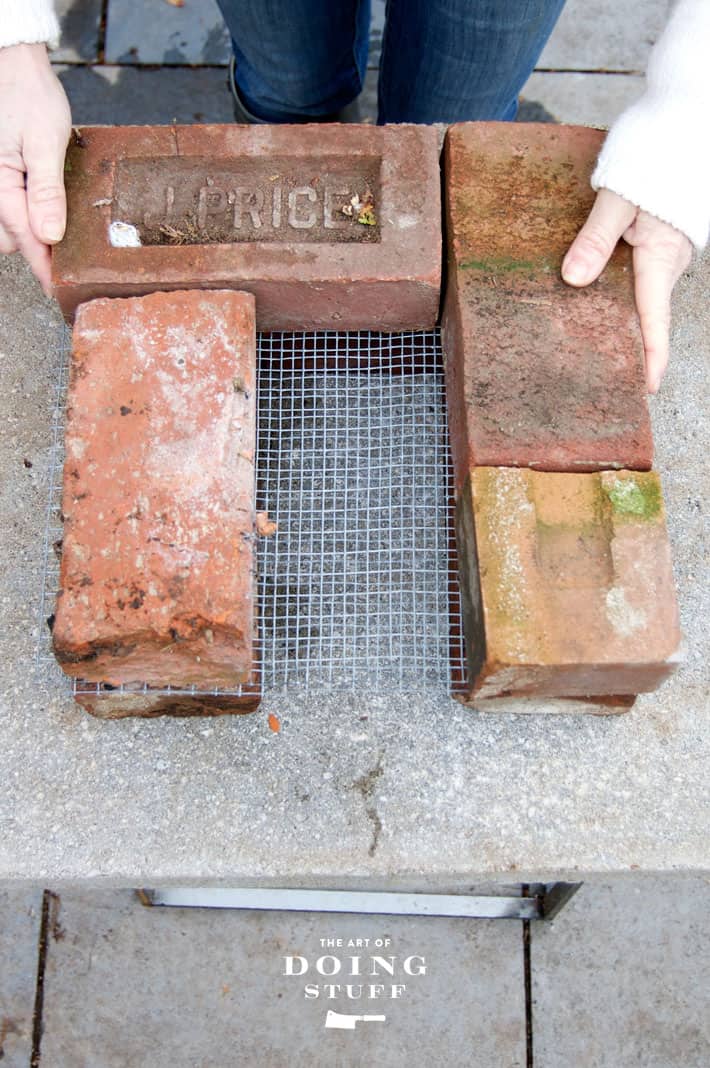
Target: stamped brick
column 157, row 569
column 566, row 582
column 259, row 209
column 539, row 374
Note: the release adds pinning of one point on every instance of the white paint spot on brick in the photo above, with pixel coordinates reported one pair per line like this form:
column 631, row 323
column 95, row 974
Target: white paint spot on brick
column 624, row 618
column 123, row 235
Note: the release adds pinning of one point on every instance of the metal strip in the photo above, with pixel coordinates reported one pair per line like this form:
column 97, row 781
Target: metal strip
column 489, row 907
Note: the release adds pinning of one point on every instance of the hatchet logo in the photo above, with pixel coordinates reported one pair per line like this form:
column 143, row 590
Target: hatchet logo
column 347, row 1023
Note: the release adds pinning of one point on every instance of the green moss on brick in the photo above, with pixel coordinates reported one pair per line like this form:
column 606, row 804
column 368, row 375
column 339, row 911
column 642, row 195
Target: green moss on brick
column 639, row 497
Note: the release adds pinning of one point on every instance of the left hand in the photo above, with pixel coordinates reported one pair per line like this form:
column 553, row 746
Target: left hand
column 661, row 254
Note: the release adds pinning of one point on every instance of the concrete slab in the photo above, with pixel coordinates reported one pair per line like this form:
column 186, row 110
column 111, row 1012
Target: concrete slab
column 138, row 32
column 621, row 977
column 188, row 34
column 79, row 22
column 356, row 789
column 377, row 29
column 126, row 95
column 582, row 99
column 176, row 988
column 604, row 35
column 20, row 919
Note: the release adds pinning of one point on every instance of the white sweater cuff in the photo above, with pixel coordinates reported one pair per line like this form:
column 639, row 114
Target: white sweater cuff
column 657, row 154
column 28, row 22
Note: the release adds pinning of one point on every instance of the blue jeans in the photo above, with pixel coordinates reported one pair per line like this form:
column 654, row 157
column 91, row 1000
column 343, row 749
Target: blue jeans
column 442, row 60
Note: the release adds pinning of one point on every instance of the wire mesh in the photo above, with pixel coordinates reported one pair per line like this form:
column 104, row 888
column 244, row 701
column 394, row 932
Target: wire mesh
column 356, row 589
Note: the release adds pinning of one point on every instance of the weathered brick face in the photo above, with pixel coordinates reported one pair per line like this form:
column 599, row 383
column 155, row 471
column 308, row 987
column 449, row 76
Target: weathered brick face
column 538, row 374
column 157, row 569
column 567, row 583
column 333, row 227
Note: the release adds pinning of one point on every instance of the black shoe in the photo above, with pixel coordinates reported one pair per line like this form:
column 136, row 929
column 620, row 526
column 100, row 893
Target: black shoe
column 350, row 113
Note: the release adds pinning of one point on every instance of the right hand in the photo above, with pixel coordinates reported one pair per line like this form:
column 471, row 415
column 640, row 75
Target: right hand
column 35, row 124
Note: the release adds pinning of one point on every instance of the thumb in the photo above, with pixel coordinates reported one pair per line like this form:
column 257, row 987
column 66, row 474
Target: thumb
column 46, row 199
column 589, row 253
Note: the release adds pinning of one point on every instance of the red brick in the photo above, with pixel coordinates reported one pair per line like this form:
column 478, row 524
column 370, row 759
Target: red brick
column 567, row 583
column 308, row 265
column 147, row 703
column 538, row 374
column 157, row 559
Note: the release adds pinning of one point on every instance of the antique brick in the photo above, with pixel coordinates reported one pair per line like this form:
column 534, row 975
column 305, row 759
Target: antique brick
column 156, row 579
column 566, row 582
column 107, row 703
column 259, row 209
column 539, row 374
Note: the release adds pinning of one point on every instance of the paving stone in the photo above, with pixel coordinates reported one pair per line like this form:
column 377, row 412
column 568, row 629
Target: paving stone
column 584, row 99
column 154, row 31
column 261, row 209
column 157, row 567
column 604, row 35
column 124, row 95
column 377, row 29
column 538, row 373
column 208, row 987
column 621, row 976
column 79, row 22
column 567, row 583
column 20, row 919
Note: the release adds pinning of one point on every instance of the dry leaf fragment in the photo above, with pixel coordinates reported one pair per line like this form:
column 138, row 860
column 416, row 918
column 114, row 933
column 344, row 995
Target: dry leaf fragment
column 274, row 722
column 265, row 526
column 366, row 214
column 176, row 3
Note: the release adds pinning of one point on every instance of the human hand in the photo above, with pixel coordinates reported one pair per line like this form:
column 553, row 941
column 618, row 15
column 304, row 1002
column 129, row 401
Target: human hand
column 661, row 254
column 35, row 124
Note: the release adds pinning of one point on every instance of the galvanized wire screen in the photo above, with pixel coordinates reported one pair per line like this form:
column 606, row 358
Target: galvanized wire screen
column 356, row 589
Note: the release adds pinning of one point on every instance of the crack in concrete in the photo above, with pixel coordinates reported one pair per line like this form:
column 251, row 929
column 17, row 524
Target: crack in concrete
column 366, row 785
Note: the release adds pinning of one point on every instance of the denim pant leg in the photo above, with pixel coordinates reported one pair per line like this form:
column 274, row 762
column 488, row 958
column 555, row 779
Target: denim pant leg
column 298, row 58
column 453, row 60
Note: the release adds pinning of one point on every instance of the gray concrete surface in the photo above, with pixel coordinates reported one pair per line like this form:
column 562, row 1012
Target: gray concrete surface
column 621, row 978
column 583, row 99
column 20, row 916
column 176, row 988
column 80, row 21
column 604, row 35
column 189, row 33
column 123, row 94
column 455, row 795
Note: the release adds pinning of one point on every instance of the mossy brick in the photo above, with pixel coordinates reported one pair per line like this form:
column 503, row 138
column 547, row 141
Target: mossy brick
column 539, row 374
column 329, row 226
column 157, row 567
column 566, row 582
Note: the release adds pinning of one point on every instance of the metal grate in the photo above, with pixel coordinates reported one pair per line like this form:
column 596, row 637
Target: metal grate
column 355, row 590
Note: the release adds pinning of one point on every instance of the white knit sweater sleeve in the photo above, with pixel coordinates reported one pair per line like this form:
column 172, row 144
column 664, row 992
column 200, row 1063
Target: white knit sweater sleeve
column 28, row 22
column 657, row 153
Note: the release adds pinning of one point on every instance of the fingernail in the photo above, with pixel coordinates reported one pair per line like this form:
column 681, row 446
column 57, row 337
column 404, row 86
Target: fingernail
column 574, row 272
column 52, row 230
